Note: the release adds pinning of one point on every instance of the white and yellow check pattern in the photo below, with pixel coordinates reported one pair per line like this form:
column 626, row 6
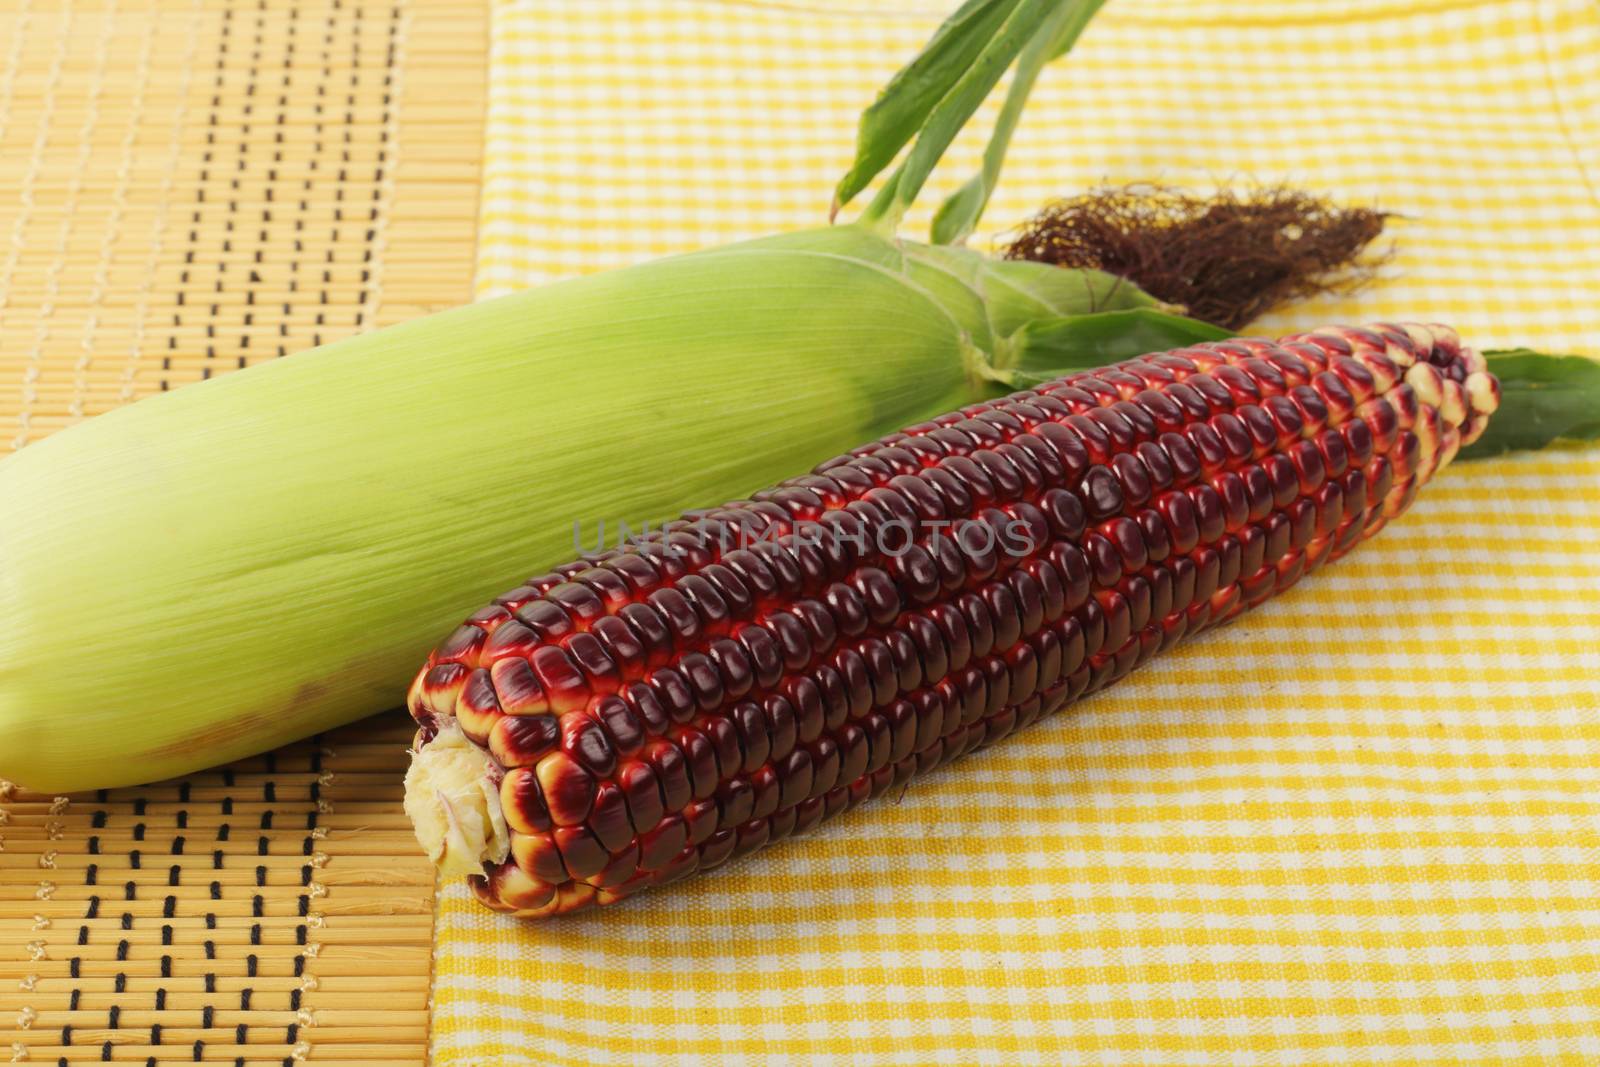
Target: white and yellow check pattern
column 1359, row 825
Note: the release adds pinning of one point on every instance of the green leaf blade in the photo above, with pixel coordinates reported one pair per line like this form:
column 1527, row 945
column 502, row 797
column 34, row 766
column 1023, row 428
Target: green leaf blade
column 1045, row 349
column 958, row 105
column 1543, row 399
column 903, row 105
column 957, row 218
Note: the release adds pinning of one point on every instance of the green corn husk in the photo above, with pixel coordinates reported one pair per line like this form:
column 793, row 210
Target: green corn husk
column 225, row 568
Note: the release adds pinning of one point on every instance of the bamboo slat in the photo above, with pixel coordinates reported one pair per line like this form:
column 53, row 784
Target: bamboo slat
column 188, row 187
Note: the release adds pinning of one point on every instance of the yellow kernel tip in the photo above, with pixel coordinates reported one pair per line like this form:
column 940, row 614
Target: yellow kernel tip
column 1400, row 355
column 414, row 694
column 1449, row 444
column 1384, row 370
column 1444, row 335
column 1483, row 392
column 1421, row 333
column 1425, row 381
column 1453, row 406
column 520, row 889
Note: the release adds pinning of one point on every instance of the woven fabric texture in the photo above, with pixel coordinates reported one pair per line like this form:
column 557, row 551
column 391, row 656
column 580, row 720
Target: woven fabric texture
column 1358, row 825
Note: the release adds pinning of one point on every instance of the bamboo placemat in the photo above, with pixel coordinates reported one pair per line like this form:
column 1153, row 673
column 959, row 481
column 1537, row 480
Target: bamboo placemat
column 188, row 187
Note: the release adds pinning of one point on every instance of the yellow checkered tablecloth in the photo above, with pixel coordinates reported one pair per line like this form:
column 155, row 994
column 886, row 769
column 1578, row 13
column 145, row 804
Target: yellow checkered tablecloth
column 1361, row 824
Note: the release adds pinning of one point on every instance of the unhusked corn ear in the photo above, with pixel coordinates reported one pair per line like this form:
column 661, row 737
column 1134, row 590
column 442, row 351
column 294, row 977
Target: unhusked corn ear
column 743, row 674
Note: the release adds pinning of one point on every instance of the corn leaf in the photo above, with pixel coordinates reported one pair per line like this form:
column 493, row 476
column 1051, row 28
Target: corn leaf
column 1048, row 348
column 1543, row 399
column 954, row 109
column 911, row 95
column 1017, row 292
column 958, row 216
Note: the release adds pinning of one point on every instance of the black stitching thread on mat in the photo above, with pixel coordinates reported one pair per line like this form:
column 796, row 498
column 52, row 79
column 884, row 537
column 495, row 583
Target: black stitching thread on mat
column 346, row 139
column 320, row 131
column 391, row 55
column 285, row 81
column 242, row 167
column 207, row 160
column 307, row 847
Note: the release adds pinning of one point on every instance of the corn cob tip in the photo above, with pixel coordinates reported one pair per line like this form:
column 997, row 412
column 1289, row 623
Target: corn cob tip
column 453, row 804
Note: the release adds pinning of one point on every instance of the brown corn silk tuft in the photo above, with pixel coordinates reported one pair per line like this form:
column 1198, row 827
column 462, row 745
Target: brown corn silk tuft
column 1225, row 258
column 649, row 715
